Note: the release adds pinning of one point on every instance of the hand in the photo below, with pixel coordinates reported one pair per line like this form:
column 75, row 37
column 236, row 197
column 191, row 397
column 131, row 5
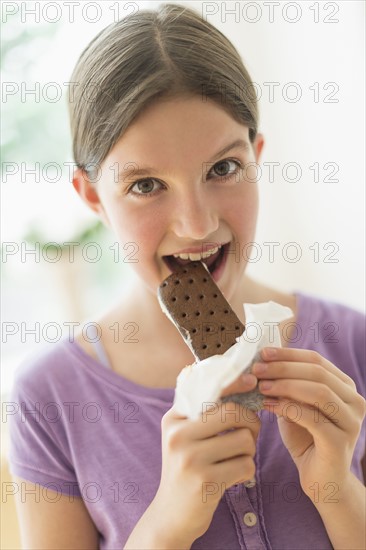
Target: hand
column 199, row 462
column 319, row 413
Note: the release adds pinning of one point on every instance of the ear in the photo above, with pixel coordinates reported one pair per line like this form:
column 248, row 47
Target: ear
column 88, row 193
column 258, row 145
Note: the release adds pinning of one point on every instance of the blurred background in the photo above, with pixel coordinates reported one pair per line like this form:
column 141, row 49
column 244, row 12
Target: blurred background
column 307, row 62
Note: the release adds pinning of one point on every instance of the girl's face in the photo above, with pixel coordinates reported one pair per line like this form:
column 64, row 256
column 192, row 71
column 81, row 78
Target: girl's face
column 184, row 186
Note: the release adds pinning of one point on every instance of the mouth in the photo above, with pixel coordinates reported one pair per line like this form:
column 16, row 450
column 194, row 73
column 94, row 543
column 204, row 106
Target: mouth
column 214, row 262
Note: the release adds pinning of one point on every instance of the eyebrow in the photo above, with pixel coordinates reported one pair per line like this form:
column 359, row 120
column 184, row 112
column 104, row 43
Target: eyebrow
column 238, row 143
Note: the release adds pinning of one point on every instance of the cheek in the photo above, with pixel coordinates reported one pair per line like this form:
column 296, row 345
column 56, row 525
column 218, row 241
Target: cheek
column 141, row 226
column 242, row 212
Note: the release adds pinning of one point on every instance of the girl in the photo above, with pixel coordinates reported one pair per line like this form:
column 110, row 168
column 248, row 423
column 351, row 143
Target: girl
column 164, row 123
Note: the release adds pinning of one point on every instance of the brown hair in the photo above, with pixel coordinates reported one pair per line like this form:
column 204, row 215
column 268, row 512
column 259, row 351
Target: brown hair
column 168, row 52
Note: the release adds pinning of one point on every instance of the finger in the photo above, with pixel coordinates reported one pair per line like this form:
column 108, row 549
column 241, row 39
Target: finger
column 171, row 416
column 246, row 382
column 232, row 471
column 317, row 397
column 322, row 430
column 305, row 371
column 221, row 417
column 234, row 443
column 305, row 356
column 215, row 419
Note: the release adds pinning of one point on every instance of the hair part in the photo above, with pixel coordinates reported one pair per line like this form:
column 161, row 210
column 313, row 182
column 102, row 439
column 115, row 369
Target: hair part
column 168, row 53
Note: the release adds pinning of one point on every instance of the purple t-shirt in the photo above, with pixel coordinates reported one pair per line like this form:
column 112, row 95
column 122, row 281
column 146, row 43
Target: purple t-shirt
column 95, row 434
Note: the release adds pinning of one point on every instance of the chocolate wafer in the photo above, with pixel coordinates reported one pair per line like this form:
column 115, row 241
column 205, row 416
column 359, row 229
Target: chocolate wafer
column 204, row 318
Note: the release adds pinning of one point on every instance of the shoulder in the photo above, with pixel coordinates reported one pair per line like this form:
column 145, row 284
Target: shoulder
column 40, row 430
column 345, row 322
column 336, row 331
column 44, row 371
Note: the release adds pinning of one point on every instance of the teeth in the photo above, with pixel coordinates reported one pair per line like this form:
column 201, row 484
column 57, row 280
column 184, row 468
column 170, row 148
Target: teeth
column 183, row 256
column 210, row 252
column 194, row 257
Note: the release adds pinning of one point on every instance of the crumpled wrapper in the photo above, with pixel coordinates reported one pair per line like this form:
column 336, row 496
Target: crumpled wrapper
column 199, row 385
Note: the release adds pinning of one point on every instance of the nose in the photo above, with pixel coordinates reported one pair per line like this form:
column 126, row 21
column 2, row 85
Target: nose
column 194, row 216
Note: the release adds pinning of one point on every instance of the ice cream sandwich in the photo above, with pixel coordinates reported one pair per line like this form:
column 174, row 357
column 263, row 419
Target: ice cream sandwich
column 209, row 326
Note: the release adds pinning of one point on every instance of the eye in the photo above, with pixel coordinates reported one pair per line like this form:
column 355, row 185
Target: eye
column 144, row 187
column 150, row 186
column 222, row 168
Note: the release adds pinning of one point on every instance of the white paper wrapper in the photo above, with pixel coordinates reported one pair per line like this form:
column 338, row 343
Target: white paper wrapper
column 201, row 384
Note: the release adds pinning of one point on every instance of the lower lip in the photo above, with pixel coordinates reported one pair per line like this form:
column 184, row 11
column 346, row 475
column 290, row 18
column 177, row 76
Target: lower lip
column 217, row 274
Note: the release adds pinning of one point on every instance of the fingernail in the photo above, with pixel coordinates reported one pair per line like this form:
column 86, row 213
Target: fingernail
column 259, row 368
column 266, row 385
column 269, row 352
column 249, row 379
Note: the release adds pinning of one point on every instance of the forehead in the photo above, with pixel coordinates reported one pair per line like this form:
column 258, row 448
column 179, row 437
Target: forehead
column 178, row 131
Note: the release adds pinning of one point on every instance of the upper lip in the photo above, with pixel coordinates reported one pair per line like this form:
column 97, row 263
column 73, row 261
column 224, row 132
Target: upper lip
column 205, row 247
